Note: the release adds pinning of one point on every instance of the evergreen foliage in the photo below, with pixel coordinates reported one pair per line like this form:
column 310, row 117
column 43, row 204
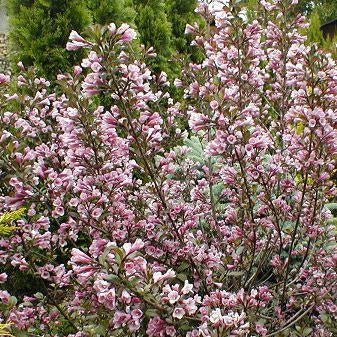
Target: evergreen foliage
column 315, row 33
column 326, row 9
column 181, row 13
column 155, row 30
column 107, row 11
column 39, row 30
column 160, row 24
column 320, row 15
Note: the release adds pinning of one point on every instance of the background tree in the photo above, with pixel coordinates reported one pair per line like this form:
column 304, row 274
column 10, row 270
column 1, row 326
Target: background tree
column 155, row 30
column 39, row 30
column 319, row 13
column 161, row 24
column 181, row 13
column 326, row 9
column 107, row 11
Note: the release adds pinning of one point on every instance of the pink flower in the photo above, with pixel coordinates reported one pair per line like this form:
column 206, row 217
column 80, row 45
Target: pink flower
column 112, row 28
column 97, row 247
column 178, row 313
column 312, row 123
column 231, row 139
column 136, row 314
column 4, row 296
column 77, row 70
column 121, row 318
column 191, row 29
column 159, row 277
column 214, row 105
column 78, row 257
column 76, row 37
column 126, row 297
column 101, row 285
column 172, row 204
column 72, row 46
column 156, row 327
column 170, row 331
column 3, row 277
column 4, row 79
column 136, row 246
column 127, row 34
column 187, row 288
column 133, row 325
column 96, row 67
column 215, row 316
column 260, row 329
column 173, row 296
column 108, row 298
column 97, row 212
column 178, row 83
column 77, row 42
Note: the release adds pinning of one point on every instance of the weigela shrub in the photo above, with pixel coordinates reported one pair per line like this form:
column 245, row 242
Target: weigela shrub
column 154, row 217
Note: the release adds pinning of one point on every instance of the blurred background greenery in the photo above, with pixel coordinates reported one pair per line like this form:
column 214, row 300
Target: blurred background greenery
column 39, row 29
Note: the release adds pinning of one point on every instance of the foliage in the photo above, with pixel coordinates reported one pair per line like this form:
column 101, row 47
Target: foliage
column 156, row 217
column 106, row 11
column 181, row 13
column 326, row 9
column 315, row 34
column 4, row 330
column 7, row 218
column 161, row 24
column 5, row 230
column 39, row 29
column 155, row 30
column 320, row 12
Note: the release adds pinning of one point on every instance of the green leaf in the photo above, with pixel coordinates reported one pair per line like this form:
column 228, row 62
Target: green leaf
column 288, row 226
column 331, row 206
column 240, row 250
column 332, row 221
column 20, row 333
column 196, row 152
column 12, row 216
column 12, row 301
column 306, row 331
column 182, row 277
column 183, row 266
column 119, row 254
column 45, row 3
column 324, row 317
column 39, row 296
column 236, row 273
column 112, row 278
column 185, row 327
column 151, row 313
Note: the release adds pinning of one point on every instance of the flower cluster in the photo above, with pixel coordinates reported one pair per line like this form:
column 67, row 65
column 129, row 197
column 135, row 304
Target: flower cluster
column 198, row 215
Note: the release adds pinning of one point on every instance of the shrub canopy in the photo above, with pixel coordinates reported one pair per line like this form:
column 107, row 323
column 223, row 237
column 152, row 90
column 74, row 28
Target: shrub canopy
column 154, row 217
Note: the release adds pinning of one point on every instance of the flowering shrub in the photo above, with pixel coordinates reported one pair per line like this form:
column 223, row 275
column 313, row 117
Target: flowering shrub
column 158, row 218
